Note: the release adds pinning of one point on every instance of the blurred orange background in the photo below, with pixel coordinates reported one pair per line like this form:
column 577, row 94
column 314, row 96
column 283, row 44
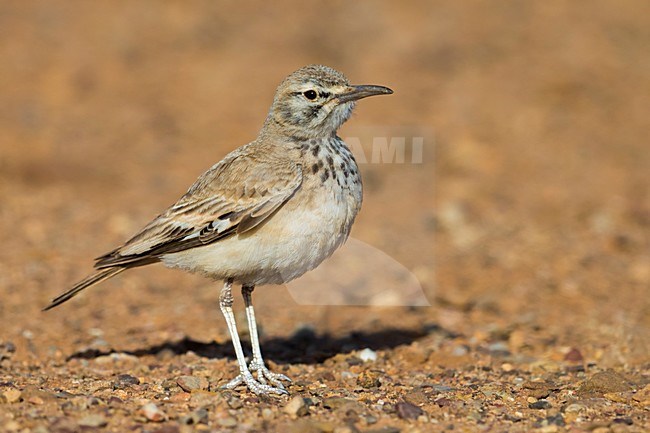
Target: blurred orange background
column 531, row 201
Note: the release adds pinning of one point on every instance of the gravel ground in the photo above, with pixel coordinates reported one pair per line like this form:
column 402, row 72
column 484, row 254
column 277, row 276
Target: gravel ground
column 526, row 223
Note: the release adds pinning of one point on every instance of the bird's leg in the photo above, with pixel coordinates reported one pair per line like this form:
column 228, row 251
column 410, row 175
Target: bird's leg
column 245, row 376
column 257, row 364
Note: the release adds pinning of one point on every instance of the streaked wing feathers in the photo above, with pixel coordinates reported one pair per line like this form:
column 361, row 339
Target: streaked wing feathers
column 234, row 196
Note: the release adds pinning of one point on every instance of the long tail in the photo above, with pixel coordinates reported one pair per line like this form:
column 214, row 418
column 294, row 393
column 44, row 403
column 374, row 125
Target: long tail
column 87, row 282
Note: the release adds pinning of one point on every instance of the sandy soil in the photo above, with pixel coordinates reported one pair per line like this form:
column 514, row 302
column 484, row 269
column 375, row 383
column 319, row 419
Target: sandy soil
column 527, row 223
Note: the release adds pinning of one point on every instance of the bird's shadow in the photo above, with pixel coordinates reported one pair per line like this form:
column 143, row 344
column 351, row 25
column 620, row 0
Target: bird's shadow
column 304, row 346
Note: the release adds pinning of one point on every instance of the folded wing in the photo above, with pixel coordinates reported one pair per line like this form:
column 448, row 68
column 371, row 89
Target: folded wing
column 228, row 199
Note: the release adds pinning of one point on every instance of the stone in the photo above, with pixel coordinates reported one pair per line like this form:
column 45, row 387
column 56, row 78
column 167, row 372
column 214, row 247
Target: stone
column 537, row 390
column 643, row 396
column 180, row 397
column 11, row 395
column 267, row 414
column 152, row 413
column 602, row 383
column 126, row 380
column 335, row 403
column 573, row 355
column 416, row 397
column 199, row 416
column 443, row 402
column 192, row 383
column 235, row 403
column 540, row 404
column 619, row 397
column 205, row 398
column 296, row 407
column 368, row 355
column 368, row 379
column 35, row 399
column 406, row 410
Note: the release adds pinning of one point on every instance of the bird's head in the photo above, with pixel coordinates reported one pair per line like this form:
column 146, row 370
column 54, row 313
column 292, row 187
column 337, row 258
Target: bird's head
column 315, row 100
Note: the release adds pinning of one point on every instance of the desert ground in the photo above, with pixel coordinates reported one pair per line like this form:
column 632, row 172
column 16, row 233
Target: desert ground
column 524, row 221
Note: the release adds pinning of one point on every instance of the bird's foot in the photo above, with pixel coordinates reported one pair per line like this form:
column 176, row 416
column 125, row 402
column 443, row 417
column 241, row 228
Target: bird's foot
column 264, row 374
column 259, row 387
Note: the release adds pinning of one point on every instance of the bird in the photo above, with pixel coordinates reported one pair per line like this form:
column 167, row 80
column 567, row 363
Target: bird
column 268, row 212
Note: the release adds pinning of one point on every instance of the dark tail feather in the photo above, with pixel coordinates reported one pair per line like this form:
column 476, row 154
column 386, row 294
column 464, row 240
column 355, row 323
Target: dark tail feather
column 87, row 282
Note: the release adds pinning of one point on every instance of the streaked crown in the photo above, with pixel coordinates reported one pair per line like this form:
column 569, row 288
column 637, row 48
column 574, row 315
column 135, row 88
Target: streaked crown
column 315, row 101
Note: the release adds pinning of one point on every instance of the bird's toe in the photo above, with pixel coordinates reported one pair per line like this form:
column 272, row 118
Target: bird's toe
column 259, row 387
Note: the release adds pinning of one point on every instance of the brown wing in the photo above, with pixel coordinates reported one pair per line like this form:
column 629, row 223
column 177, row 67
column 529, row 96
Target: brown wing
column 234, row 196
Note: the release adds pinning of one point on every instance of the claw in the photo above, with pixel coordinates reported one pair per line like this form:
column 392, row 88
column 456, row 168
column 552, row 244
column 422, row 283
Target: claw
column 257, row 386
column 264, row 374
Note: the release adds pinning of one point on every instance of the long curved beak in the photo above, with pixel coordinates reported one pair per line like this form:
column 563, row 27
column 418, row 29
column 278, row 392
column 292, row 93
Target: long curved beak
column 363, row 91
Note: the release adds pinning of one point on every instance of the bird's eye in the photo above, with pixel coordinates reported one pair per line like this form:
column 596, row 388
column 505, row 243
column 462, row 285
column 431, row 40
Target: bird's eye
column 310, row 94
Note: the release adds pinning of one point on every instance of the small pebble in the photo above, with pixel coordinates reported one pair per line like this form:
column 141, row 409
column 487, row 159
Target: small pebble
column 368, row 379
column 573, row 355
column 204, row 398
column 625, row 420
column 7, row 350
column 267, row 414
column 499, row 348
column 540, row 404
column 180, row 397
column 124, row 380
column 406, row 410
column 196, row 417
column 557, row 419
column 618, row 397
column 296, row 407
column 337, row 402
column 368, row 355
column 152, row 413
column 191, row 383
column 459, row 350
column 604, row 382
column 327, row 376
column 416, row 397
column 370, row 419
column 643, row 396
column 11, row 395
column 112, row 400
column 537, row 390
column 235, row 403
column 35, row 400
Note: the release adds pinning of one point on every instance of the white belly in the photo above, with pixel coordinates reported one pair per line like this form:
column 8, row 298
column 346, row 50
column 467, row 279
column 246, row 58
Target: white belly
column 291, row 242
